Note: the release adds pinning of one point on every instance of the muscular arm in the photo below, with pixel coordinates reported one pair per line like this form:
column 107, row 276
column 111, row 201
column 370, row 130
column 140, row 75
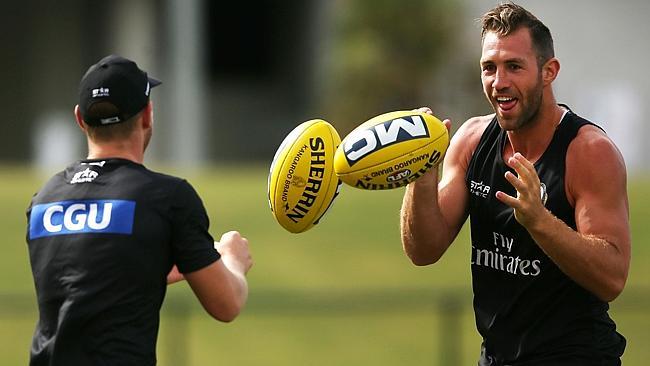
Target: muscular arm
column 221, row 287
column 597, row 255
column 433, row 212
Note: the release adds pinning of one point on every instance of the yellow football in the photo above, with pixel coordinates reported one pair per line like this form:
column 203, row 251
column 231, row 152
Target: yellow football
column 391, row 150
column 302, row 183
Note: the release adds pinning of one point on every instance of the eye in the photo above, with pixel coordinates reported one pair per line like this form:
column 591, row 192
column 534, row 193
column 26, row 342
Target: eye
column 488, row 68
column 514, row 67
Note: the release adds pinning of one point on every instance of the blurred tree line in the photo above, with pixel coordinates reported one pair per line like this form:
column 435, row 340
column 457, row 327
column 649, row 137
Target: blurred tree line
column 342, row 60
column 384, row 56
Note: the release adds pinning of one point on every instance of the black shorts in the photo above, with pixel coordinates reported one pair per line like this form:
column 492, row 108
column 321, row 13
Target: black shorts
column 569, row 359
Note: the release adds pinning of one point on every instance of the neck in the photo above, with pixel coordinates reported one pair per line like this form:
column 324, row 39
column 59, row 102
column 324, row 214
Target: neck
column 121, row 149
column 532, row 140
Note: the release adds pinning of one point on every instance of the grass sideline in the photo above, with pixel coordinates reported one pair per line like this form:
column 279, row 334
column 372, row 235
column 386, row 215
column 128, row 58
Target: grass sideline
column 342, row 293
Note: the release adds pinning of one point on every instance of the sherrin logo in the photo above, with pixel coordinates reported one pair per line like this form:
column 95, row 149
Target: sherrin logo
column 84, row 216
column 365, row 141
column 313, row 184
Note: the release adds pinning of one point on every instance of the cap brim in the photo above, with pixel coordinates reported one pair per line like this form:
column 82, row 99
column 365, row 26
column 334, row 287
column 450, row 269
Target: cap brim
column 153, row 82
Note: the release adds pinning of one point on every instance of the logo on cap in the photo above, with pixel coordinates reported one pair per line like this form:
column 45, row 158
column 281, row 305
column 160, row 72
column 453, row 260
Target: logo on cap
column 101, row 92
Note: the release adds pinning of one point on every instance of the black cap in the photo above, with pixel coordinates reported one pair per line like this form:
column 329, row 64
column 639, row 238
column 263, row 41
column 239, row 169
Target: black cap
column 121, row 86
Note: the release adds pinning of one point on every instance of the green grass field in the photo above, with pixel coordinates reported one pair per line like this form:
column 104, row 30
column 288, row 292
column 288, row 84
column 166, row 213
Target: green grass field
column 342, row 293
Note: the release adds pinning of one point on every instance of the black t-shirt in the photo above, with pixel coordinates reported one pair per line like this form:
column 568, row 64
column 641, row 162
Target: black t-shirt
column 102, row 236
column 527, row 310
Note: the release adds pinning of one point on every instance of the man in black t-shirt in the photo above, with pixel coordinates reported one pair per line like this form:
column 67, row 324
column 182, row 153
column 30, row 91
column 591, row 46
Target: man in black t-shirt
column 545, row 191
column 107, row 235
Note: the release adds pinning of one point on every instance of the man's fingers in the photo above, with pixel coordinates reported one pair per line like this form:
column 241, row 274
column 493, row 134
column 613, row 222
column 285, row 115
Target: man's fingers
column 426, row 110
column 447, row 123
column 524, row 168
column 515, row 181
column 507, row 199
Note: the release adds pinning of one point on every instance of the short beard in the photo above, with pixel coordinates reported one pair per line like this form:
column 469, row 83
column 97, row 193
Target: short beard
column 534, row 104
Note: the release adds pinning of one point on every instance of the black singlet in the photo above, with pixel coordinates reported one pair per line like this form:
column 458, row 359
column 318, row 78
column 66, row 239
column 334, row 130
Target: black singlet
column 102, row 236
column 527, row 310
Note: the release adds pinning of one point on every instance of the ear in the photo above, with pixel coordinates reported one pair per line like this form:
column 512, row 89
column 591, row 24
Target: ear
column 80, row 121
column 550, row 70
column 147, row 115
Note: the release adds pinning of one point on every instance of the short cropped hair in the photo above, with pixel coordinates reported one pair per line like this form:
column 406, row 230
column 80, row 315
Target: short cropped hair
column 509, row 17
column 110, row 132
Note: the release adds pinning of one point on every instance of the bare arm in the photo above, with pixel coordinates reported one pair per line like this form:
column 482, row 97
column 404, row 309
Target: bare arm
column 433, row 213
column 597, row 255
column 221, row 287
column 174, row 276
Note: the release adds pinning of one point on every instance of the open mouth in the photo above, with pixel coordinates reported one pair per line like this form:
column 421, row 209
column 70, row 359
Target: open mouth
column 506, row 103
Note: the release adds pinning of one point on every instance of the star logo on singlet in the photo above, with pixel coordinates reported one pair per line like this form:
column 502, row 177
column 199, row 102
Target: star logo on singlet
column 479, row 189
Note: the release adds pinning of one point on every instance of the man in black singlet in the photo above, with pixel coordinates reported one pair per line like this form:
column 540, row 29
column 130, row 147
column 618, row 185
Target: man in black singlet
column 545, row 191
column 106, row 235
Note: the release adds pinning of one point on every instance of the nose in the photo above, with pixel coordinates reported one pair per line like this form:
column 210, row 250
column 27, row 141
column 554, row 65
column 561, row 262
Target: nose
column 500, row 80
